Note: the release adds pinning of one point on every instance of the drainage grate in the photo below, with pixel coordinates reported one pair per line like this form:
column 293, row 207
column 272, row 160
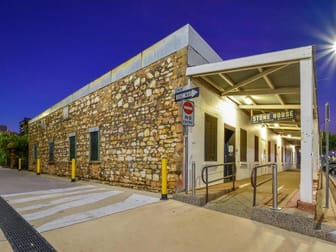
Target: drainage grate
column 20, row 234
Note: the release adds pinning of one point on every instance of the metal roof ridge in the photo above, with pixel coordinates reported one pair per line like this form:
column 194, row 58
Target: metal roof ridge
column 254, row 60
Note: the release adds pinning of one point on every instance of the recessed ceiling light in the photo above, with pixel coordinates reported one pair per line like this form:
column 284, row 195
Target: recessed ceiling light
column 248, row 100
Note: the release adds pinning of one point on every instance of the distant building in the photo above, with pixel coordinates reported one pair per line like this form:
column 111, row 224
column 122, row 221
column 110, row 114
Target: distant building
column 3, row 128
column 24, row 126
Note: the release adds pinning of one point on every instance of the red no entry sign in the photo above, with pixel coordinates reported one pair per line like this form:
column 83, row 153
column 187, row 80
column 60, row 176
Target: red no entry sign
column 188, row 111
column 188, row 107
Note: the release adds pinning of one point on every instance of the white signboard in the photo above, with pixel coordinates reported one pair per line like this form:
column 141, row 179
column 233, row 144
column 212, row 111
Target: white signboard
column 187, row 94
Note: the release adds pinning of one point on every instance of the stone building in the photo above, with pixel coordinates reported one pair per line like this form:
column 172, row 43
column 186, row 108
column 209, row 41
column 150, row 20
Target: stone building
column 249, row 111
column 119, row 126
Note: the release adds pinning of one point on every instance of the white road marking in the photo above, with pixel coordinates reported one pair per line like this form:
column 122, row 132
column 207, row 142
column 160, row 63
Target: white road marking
column 244, row 185
column 135, row 200
column 77, row 203
column 48, row 191
column 54, row 195
column 72, row 197
column 280, row 187
column 58, row 201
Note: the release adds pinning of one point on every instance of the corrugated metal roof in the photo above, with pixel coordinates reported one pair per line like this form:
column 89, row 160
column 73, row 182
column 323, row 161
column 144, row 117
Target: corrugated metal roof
column 269, row 82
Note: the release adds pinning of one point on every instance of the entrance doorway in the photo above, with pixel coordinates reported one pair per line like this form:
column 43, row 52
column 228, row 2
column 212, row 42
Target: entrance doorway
column 298, row 157
column 229, row 150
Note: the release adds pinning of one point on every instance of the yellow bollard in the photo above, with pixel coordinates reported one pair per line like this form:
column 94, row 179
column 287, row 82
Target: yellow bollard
column 38, row 167
column 19, row 164
column 73, row 170
column 164, row 179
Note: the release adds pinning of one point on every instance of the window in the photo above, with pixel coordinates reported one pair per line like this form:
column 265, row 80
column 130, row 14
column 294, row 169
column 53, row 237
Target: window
column 43, row 124
column 65, row 113
column 269, row 151
column 243, row 145
column 51, row 151
column 94, row 145
column 210, row 141
column 35, row 156
column 72, row 149
column 256, row 148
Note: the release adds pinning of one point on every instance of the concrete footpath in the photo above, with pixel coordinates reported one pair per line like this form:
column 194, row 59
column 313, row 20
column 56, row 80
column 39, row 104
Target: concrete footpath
column 171, row 226
column 176, row 226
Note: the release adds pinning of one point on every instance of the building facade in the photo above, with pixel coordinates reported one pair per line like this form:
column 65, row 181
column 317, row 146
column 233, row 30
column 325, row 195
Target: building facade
column 120, row 126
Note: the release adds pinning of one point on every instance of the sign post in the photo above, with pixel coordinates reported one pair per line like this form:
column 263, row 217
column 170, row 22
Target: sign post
column 188, row 110
column 327, row 119
column 186, row 155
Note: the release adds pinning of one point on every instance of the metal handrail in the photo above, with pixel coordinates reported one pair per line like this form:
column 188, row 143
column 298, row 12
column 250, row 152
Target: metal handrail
column 205, row 172
column 274, row 178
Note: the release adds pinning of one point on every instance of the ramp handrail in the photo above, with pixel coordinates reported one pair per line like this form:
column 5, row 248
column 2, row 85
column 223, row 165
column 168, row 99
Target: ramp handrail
column 205, row 172
column 274, row 179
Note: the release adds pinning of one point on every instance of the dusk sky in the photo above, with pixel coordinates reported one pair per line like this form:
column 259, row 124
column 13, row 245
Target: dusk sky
column 51, row 48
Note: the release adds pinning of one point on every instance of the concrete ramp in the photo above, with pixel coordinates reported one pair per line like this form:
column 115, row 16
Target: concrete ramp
column 240, row 201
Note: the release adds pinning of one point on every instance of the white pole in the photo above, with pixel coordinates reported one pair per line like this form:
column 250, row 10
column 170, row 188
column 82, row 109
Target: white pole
column 327, row 119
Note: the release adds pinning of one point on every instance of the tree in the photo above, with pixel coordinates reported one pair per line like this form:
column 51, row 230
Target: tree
column 4, row 151
column 332, row 142
column 13, row 142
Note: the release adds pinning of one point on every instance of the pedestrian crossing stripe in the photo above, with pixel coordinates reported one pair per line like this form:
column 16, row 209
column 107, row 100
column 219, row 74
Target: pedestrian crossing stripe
column 57, row 201
column 87, row 200
column 56, row 208
column 135, row 200
column 58, row 190
column 53, row 195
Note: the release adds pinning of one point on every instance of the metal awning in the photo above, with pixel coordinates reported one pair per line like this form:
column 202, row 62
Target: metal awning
column 261, row 84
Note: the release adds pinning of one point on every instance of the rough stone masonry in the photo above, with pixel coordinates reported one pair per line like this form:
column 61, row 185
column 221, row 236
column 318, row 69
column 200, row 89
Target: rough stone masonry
column 138, row 123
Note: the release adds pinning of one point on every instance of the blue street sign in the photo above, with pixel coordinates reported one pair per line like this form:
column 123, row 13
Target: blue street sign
column 187, row 94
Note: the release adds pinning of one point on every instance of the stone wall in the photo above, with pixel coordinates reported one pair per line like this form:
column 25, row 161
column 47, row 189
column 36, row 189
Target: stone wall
column 138, row 121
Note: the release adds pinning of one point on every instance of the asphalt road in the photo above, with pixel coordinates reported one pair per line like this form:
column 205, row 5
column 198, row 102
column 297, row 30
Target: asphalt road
column 14, row 181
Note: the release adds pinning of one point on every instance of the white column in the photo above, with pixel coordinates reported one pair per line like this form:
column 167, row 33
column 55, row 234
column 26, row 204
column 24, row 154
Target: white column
column 316, row 162
column 294, row 156
column 307, row 130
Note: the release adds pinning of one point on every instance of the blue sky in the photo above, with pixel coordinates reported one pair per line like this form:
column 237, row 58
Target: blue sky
column 49, row 49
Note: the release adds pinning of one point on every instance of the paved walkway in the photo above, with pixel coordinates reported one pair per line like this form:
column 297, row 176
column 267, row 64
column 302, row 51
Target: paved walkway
column 175, row 226
column 155, row 226
column 302, row 218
